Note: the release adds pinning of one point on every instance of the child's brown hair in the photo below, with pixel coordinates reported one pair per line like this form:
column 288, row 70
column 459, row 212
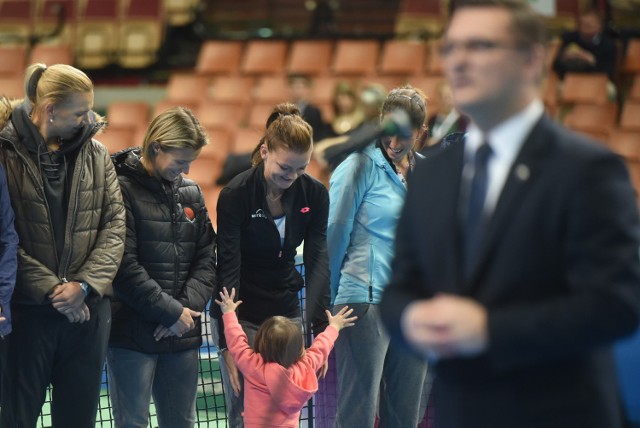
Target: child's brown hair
column 279, row 340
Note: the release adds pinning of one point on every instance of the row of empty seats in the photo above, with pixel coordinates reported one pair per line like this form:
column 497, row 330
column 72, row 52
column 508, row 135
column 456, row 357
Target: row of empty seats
column 99, row 32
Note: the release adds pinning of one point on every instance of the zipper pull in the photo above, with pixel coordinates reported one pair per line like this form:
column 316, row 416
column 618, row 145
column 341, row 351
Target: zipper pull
column 280, row 254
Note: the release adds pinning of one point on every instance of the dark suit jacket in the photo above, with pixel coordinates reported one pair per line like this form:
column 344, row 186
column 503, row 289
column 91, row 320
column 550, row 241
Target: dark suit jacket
column 558, row 272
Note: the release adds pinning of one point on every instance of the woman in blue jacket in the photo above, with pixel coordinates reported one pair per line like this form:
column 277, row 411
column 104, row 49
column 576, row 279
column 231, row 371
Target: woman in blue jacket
column 367, row 193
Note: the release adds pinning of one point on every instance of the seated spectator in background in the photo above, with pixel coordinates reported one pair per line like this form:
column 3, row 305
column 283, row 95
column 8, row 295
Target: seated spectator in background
column 370, row 100
column 166, row 277
column 445, row 121
column 347, row 114
column 280, row 375
column 586, row 50
column 300, row 95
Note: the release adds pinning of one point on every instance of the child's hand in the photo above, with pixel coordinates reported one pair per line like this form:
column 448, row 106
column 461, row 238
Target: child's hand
column 341, row 319
column 227, row 304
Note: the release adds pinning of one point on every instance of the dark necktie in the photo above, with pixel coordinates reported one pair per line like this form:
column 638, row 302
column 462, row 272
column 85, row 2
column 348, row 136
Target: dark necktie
column 475, row 210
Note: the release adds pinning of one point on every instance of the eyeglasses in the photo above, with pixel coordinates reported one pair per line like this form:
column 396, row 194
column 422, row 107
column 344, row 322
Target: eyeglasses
column 475, row 46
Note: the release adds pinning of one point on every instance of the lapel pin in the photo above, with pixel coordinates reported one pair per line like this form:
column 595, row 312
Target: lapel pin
column 522, row 172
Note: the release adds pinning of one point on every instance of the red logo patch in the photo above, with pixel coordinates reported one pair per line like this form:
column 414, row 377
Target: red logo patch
column 188, row 212
column 305, row 210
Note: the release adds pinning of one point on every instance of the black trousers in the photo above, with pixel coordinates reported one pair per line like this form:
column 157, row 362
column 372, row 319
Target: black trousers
column 45, row 348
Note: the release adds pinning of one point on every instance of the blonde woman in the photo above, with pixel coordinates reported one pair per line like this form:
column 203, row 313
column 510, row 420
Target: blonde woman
column 71, row 224
column 165, row 279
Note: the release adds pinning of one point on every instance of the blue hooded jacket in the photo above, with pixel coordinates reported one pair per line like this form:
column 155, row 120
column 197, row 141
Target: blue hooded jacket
column 366, row 198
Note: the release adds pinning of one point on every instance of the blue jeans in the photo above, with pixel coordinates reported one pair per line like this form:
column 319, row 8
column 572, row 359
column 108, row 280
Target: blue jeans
column 235, row 405
column 374, row 375
column 171, row 378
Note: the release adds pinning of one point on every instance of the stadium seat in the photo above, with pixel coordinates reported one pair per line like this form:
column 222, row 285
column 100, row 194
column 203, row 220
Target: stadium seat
column 584, row 88
column 16, row 21
column 218, row 115
column 630, row 117
column 271, row 89
column 264, row 57
column 52, row 54
column 13, row 60
column 631, row 62
column 96, row 33
column 141, row 33
column 402, row 57
column 219, row 57
column 309, row 57
column 355, row 57
column 188, row 87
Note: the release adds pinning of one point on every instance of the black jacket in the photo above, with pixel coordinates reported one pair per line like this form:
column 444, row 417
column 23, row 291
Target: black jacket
column 169, row 259
column 251, row 259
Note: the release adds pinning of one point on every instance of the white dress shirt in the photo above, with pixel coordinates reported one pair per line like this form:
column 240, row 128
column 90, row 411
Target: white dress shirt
column 506, row 140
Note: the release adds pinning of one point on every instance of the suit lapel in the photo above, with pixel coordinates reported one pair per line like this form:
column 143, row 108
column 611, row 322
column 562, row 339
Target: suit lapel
column 524, row 171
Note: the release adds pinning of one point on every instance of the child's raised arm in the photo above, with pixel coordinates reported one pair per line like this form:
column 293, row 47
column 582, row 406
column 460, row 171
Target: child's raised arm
column 341, row 319
column 226, row 302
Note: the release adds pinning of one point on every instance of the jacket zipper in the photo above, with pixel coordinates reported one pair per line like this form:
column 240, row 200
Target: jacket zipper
column 73, row 215
column 371, row 264
column 40, row 186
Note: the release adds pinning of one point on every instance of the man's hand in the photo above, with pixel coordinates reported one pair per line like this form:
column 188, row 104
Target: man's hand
column 185, row 322
column 446, row 326
column 234, row 378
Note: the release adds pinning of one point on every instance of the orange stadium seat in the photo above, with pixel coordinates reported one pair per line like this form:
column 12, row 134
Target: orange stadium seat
column 630, row 118
column 116, row 138
column 631, row 62
column 219, row 57
column 584, row 88
column 403, row 57
column 188, row 87
column 264, row 57
column 309, row 57
column 232, row 89
column 214, row 114
column 355, row 57
column 52, row 54
column 271, row 89
column 625, row 143
column 13, row 61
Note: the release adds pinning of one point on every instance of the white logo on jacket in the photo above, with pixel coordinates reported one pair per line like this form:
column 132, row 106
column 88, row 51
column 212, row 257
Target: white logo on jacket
column 259, row 214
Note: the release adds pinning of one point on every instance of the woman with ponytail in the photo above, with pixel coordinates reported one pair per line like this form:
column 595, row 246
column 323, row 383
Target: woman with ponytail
column 264, row 214
column 71, row 226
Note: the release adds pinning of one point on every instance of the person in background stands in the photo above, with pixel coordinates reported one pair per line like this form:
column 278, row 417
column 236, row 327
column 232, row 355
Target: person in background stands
column 166, row 277
column 71, row 224
column 366, row 196
column 516, row 264
column 264, row 214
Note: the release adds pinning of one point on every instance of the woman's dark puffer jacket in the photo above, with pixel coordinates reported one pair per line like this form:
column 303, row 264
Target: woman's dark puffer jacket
column 169, row 258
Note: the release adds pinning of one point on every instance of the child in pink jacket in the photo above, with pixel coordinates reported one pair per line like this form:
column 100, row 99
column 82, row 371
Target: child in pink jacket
column 280, row 374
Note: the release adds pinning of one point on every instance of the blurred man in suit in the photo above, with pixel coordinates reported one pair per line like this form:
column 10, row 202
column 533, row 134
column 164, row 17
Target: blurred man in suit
column 516, row 262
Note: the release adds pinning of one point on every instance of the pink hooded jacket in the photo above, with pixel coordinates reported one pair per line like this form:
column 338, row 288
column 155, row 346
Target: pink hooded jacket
column 273, row 395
